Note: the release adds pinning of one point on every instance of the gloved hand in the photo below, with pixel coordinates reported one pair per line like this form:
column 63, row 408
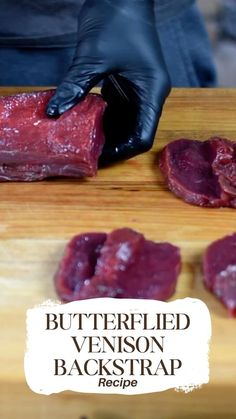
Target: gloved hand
column 118, row 43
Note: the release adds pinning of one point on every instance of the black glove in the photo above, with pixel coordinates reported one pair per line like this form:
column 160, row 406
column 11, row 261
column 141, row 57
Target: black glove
column 118, row 43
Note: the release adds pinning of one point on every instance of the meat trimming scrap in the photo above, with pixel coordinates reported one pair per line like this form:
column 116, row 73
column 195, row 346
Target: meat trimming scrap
column 34, row 146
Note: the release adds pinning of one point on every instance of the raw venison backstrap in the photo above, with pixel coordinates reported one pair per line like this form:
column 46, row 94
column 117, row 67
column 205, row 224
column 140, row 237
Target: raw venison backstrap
column 34, row 146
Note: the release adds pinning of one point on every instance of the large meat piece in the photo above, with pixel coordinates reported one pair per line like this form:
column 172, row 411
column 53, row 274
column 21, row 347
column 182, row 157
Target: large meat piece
column 201, row 173
column 219, row 269
column 121, row 264
column 34, row 147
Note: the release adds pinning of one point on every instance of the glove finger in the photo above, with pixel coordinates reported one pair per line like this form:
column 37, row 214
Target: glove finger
column 119, row 114
column 132, row 115
column 150, row 98
column 77, row 84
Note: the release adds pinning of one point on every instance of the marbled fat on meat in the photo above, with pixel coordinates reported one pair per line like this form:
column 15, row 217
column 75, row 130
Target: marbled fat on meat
column 121, row 264
column 34, row 146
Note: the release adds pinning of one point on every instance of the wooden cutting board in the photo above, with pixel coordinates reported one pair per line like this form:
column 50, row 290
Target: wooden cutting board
column 37, row 219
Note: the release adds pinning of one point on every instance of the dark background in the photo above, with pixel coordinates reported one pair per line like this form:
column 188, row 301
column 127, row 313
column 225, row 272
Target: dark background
column 220, row 17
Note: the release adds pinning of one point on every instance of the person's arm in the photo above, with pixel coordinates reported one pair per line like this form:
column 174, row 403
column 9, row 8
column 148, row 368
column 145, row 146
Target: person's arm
column 118, row 43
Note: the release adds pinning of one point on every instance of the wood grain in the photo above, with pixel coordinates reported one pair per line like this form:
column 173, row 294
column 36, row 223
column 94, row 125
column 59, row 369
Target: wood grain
column 37, row 219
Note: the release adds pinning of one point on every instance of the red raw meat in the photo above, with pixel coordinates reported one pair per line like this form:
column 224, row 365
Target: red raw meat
column 224, row 165
column 201, row 173
column 78, row 264
column 34, row 147
column 219, row 268
column 121, row 264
